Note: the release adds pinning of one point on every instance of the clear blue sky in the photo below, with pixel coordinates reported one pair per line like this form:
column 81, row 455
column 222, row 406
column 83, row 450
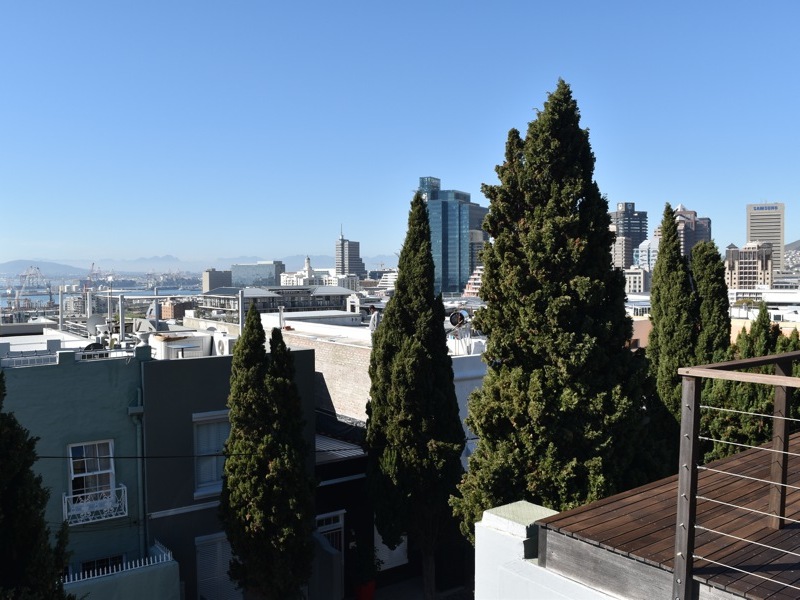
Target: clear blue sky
column 253, row 128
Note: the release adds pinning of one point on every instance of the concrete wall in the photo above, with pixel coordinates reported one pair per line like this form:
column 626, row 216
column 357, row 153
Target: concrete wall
column 153, row 581
column 506, row 547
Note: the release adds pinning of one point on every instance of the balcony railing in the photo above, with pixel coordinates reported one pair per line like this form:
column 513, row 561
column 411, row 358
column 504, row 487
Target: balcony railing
column 96, row 506
column 157, row 555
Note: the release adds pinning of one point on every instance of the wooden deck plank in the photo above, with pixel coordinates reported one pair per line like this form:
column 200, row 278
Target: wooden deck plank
column 641, row 524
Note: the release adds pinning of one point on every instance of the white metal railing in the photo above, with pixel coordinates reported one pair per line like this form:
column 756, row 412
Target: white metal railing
column 36, row 359
column 32, row 360
column 96, row 354
column 96, row 506
column 158, row 554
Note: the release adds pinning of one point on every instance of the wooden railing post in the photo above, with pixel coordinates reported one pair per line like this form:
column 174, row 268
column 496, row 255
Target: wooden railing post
column 780, row 445
column 682, row 583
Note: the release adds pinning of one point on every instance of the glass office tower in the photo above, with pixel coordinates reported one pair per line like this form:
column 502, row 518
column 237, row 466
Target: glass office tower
column 452, row 216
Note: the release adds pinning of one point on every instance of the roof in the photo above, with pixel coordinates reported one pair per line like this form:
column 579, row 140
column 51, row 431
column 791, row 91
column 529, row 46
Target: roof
column 249, row 292
column 755, row 561
column 331, row 450
column 275, row 291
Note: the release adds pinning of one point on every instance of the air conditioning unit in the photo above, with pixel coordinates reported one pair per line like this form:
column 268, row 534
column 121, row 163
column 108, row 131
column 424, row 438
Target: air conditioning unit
column 224, row 345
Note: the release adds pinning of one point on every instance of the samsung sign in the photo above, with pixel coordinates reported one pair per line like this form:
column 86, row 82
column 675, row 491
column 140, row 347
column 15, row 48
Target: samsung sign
column 765, row 208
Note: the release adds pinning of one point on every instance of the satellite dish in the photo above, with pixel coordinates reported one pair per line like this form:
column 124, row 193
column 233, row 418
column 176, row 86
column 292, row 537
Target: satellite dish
column 458, row 318
column 92, row 323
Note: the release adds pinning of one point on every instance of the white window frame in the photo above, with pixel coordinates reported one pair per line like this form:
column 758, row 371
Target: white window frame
column 212, row 487
column 90, row 465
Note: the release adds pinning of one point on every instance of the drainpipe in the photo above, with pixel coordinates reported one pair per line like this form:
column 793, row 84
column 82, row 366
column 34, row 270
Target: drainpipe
column 137, row 419
column 241, row 311
column 121, row 319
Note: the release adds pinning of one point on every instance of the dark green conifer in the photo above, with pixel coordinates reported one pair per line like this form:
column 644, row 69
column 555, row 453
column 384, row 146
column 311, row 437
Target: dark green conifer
column 560, row 413
column 414, row 435
column 673, row 312
column 714, row 322
column 30, row 567
column 266, row 505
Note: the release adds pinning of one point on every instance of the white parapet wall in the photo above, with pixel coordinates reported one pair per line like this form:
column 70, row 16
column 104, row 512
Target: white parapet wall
column 506, row 565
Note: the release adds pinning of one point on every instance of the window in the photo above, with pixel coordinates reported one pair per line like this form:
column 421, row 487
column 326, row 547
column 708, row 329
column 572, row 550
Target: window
column 91, row 469
column 93, row 493
column 213, row 555
column 211, row 429
column 102, row 565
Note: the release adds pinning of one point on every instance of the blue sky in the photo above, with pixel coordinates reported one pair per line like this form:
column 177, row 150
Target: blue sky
column 208, row 129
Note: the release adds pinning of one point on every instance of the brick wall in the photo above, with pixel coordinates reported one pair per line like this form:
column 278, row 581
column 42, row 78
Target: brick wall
column 342, row 374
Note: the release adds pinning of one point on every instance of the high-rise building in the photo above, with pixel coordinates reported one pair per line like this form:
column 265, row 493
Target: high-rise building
column 213, row 279
column 348, row 258
column 262, row 273
column 646, row 254
column 765, row 223
column 452, row 217
column 630, row 223
column 621, row 250
column 691, row 229
column 749, row 267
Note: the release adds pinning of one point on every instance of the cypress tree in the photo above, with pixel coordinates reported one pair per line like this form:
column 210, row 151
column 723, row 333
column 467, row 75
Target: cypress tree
column 414, row 434
column 673, row 312
column 266, row 505
column 30, row 568
column 560, row 413
column 714, row 322
column 737, row 424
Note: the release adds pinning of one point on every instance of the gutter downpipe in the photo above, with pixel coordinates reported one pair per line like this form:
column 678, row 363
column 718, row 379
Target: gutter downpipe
column 137, row 419
column 121, row 320
column 241, row 311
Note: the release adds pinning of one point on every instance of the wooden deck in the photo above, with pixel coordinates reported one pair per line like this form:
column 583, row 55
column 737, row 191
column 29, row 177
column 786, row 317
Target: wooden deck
column 640, row 524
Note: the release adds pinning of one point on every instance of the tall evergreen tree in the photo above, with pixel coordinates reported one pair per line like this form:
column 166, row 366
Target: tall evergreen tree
column 414, row 434
column 560, row 413
column 714, row 321
column 673, row 312
column 742, row 402
column 266, row 505
column 30, row 567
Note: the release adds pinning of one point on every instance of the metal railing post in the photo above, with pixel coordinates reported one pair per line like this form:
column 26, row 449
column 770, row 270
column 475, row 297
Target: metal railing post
column 682, row 583
column 780, row 445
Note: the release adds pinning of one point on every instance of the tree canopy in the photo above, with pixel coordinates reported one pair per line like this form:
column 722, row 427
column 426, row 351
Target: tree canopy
column 266, row 505
column 414, row 434
column 560, row 416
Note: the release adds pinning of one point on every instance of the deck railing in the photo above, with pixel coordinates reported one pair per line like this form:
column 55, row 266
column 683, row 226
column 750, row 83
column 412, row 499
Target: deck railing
column 691, row 439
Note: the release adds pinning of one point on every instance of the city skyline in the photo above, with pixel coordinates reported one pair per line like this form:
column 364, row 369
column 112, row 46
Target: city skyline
column 202, row 131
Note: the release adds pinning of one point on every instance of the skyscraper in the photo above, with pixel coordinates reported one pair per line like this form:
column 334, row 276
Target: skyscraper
column 348, row 258
column 630, row 223
column 765, row 223
column 452, row 217
column 691, row 229
column 748, row 267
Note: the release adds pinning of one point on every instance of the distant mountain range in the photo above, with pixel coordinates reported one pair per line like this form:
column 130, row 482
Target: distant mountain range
column 161, row 264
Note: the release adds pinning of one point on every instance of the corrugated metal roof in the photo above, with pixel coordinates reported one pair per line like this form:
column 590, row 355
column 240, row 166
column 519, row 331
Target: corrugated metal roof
column 330, row 449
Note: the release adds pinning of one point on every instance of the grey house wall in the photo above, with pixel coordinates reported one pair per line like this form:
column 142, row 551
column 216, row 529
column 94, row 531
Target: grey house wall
column 173, row 391
column 72, row 402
